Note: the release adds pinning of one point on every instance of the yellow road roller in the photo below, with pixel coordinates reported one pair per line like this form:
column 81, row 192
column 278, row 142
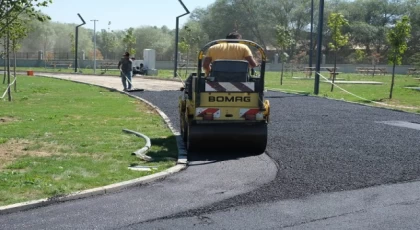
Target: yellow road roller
column 225, row 110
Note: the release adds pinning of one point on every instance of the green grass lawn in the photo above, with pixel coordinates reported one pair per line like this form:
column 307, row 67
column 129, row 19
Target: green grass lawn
column 58, row 137
column 404, row 99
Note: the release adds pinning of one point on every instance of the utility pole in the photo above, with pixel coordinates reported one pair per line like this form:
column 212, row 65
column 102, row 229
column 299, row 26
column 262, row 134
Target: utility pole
column 94, row 41
column 311, row 45
column 319, row 46
column 176, row 37
column 9, row 95
column 77, row 43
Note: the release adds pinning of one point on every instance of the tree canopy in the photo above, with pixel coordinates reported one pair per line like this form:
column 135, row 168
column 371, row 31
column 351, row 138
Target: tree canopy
column 368, row 23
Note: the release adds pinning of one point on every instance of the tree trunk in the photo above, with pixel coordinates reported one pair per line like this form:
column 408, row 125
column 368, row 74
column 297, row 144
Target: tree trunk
column 282, row 68
column 9, row 93
column 188, row 63
column 393, row 78
column 44, row 57
column 335, row 65
column 14, row 70
column 374, row 67
column 292, row 70
column 4, row 63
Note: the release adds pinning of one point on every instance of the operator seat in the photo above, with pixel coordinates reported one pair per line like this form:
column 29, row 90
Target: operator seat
column 223, row 70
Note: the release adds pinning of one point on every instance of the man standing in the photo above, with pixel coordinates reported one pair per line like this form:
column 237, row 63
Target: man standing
column 126, row 69
column 233, row 51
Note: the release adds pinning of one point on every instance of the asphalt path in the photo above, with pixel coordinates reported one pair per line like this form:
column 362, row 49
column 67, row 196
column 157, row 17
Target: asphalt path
column 324, row 145
column 321, row 155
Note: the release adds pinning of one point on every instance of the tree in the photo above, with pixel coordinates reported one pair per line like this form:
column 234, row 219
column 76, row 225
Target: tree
column 360, row 55
column 397, row 38
column 149, row 37
column 294, row 13
column 129, row 41
column 47, row 40
column 284, row 41
column 3, row 56
column 106, row 42
column 243, row 16
column 19, row 30
column 91, row 55
column 251, row 19
column 11, row 9
column 336, row 22
column 376, row 57
column 194, row 36
column 415, row 60
column 183, row 46
column 412, row 8
column 247, row 18
column 72, row 42
column 370, row 20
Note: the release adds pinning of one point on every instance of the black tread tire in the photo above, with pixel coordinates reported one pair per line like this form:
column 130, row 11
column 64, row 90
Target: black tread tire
column 184, row 127
column 189, row 146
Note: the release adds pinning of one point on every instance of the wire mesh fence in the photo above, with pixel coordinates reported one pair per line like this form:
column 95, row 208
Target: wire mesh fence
column 70, row 56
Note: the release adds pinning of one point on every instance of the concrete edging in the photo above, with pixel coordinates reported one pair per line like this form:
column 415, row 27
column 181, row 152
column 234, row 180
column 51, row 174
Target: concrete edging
column 181, row 165
column 90, row 192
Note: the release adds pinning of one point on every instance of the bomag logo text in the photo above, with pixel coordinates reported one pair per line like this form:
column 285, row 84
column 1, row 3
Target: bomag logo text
column 229, row 99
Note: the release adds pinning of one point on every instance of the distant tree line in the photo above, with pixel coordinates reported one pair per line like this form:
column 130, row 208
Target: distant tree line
column 366, row 31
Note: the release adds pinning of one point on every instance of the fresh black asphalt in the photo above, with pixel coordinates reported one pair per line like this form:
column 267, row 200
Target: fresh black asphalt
column 318, row 145
column 323, row 145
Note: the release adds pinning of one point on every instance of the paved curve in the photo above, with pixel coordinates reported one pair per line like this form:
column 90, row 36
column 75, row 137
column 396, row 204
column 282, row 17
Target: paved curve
column 199, row 185
column 321, row 146
column 324, row 146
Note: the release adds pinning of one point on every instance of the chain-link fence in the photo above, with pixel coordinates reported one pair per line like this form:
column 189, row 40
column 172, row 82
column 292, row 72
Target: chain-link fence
column 40, row 55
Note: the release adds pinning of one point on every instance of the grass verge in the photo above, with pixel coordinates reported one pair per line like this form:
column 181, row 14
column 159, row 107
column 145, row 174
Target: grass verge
column 403, row 99
column 58, row 137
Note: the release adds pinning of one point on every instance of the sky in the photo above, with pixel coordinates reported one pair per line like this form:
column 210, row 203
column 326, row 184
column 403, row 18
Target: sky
column 123, row 14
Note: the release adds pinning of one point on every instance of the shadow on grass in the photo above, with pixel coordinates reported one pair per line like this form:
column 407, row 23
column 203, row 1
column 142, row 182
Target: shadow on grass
column 364, row 101
column 382, row 100
column 112, row 90
column 303, row 93
column 168, row 150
